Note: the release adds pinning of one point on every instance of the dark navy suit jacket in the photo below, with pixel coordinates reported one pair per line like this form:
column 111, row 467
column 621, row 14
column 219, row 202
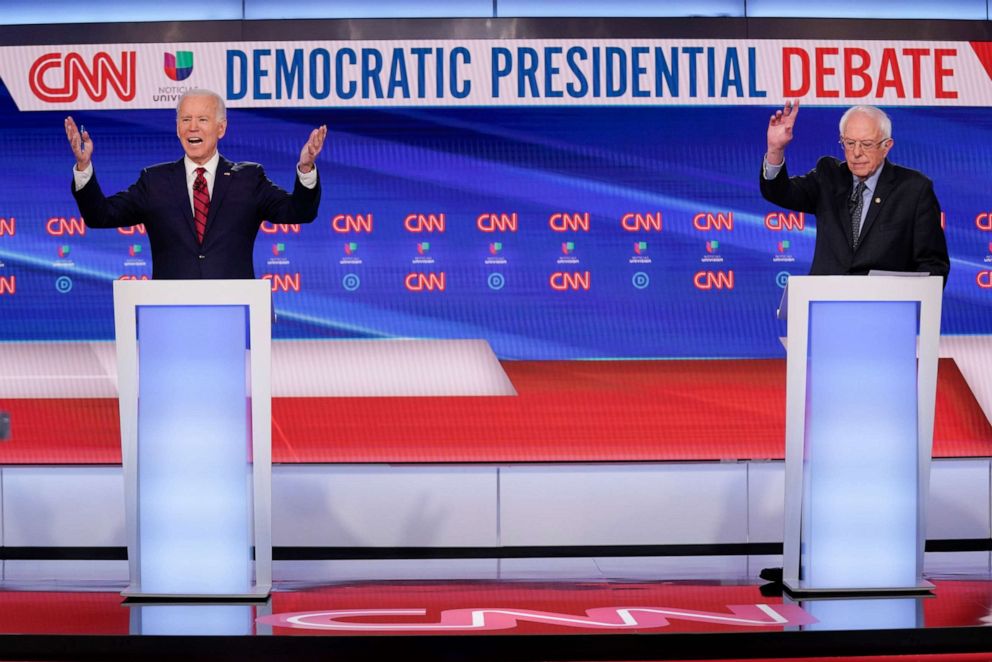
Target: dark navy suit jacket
column 901, row 231
column 242, row 198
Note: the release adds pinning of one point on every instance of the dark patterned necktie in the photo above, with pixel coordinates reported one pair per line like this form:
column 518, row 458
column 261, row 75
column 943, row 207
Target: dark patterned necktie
column 855, row 205
column 201, row 203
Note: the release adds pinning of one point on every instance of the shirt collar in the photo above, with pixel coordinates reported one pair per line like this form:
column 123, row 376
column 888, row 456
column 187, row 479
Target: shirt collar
column 210, row 166
column 872, row 181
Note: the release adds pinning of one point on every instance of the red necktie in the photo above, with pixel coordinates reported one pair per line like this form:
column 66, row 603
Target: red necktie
column 201, row 203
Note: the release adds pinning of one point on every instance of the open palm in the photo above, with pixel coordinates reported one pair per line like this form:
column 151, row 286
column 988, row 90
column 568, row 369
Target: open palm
column 780, row 126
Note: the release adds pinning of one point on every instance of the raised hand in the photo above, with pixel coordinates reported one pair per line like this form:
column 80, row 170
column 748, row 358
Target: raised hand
column 82, row 145
column 312, row 148
column 780, row 128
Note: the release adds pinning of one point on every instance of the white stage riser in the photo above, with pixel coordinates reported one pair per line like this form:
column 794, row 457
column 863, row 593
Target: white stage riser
column 483, row 505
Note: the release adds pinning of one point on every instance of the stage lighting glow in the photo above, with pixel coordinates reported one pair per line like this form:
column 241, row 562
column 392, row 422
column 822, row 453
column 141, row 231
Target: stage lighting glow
column 505, row 8
column 193, row 450
column 975, row 10
column 860, row 529
column 25, row 12
column 268, row 9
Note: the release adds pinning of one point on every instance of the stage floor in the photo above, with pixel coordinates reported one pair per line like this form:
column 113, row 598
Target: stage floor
column 635, row 608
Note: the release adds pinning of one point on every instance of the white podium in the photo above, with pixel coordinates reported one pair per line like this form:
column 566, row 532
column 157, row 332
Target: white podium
column 860, row 392
column 193, row 363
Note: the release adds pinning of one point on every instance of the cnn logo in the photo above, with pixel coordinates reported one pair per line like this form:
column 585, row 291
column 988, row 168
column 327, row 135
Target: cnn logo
column 714, row 280
column 424, row 223
column 562, row 281
column 279, row 228
column 348, row 223
column 58, row 226
column 497, row 222
column 634, row 222
column 425, row 282
column 706, row 221
column 565, row 222
column 58, row 78
column 778, row 221
column 283, row 282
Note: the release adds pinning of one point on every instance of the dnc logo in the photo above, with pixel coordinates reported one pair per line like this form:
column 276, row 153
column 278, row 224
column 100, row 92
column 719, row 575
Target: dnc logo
column 179, row 66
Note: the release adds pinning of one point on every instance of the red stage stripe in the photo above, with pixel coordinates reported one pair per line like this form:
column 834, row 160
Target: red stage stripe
column 565, row 411
column 570, row 411
column 62, row 431
column 62, row 612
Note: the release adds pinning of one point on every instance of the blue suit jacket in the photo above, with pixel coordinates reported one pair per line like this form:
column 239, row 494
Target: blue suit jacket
column 901, row 231
column 242, row 198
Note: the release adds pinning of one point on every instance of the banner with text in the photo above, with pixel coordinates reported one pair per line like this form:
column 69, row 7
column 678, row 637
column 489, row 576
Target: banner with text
column 464, row 73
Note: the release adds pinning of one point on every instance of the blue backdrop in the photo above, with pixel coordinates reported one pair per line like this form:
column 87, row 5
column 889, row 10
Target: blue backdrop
column 650, row 293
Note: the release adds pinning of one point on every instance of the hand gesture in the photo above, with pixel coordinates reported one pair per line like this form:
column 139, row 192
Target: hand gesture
column 82, row 146
column 780, row 128
column 312, row 148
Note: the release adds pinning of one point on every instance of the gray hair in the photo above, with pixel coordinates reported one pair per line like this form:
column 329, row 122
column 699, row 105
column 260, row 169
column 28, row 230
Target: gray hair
column 201, row 92
column 881, row 119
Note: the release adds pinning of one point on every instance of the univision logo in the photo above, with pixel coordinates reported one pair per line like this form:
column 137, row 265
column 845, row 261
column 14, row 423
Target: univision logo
column 179, row 66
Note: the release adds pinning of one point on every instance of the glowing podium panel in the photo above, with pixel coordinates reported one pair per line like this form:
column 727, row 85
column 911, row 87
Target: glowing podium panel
column 860, row 389
column 193, row 363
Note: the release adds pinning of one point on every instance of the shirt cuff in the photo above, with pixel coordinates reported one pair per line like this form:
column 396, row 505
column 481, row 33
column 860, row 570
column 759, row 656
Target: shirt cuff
column 80, row 179
column 770, row 171
column 308, row 179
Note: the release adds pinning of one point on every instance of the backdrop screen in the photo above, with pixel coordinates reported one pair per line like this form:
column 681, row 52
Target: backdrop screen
column 554, row 231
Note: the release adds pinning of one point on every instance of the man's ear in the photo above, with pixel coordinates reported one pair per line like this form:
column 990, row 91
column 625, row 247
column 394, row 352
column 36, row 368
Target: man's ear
column 223, row 129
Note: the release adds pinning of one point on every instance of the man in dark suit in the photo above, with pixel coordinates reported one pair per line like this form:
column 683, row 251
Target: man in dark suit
column 202, row 212
column 870, row 213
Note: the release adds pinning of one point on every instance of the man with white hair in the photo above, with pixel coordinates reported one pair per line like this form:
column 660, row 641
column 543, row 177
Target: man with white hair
column 202, row 212
column 870, row 213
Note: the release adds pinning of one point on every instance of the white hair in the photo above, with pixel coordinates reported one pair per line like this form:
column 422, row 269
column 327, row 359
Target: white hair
column 881, row 119
column 201, row 92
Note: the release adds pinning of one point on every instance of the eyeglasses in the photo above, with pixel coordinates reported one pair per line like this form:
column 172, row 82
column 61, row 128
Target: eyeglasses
column 865, row 145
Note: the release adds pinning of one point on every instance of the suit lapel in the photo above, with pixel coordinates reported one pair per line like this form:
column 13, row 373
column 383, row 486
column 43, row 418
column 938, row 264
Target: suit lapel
column 883, row 187
column 222, row 181
column 182, row 197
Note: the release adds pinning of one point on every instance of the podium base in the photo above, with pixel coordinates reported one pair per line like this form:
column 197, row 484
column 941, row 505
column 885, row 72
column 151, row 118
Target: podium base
column 798, row 589
column 257, row 593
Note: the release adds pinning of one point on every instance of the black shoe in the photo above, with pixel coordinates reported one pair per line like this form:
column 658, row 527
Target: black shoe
column 771, row 575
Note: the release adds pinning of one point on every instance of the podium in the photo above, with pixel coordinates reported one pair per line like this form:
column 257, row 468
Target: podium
column 860, row 390
column 193, row 365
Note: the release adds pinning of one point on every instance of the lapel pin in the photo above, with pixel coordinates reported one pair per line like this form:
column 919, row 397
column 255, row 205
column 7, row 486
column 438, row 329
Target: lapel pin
column 878, row 201
column 227, row 174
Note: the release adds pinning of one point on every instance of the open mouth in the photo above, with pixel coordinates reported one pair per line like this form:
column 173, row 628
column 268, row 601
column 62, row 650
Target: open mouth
column 194, row 141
